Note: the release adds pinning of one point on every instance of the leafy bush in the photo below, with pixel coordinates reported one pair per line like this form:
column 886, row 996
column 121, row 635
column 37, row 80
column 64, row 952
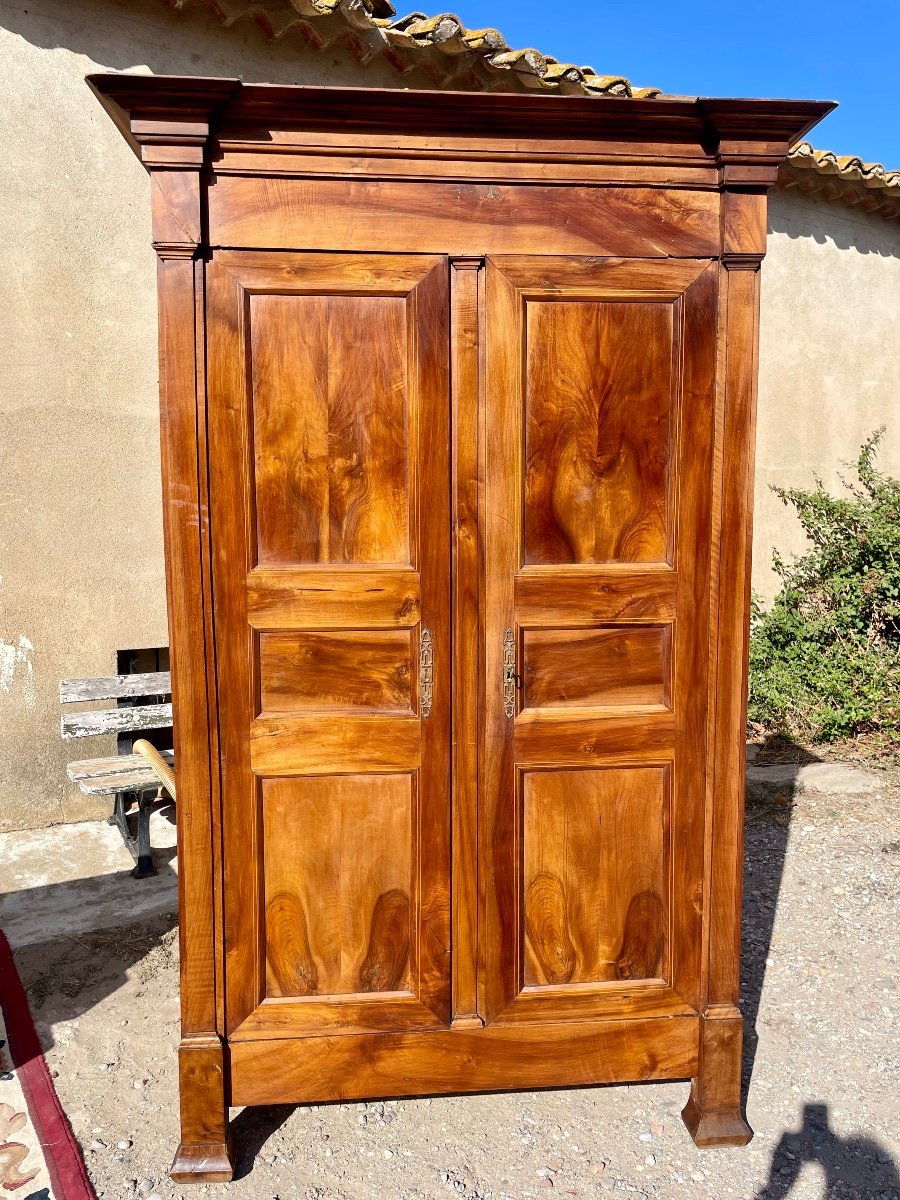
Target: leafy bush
column 825, row 660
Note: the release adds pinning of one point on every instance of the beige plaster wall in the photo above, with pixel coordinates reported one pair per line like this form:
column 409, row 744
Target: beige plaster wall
column 829, row 357
column 81, row 571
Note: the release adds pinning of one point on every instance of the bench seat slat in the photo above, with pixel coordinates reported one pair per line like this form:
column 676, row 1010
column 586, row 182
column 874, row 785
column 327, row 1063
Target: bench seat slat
column 116, row 687
column 119, row 764
column 116, row 720
column 129, row 781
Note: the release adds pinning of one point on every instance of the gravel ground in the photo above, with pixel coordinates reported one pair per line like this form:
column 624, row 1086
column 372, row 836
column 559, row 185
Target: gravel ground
column 822, row 988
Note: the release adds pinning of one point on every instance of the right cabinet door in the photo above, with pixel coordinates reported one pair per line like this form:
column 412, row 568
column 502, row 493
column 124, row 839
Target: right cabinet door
column 599, row 465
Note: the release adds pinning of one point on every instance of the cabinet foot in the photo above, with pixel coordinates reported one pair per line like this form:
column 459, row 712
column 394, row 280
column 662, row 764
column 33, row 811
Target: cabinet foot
column 727, row 1128
column 211, row 1162
column 713, row 1113
column 204, row 1154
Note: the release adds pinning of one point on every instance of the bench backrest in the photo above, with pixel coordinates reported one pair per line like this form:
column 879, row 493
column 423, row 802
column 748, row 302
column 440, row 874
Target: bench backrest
column 116, row 720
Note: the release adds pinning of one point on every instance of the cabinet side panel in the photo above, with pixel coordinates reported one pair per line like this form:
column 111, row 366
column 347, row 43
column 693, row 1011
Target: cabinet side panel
column 732, row 633
column 183, row 521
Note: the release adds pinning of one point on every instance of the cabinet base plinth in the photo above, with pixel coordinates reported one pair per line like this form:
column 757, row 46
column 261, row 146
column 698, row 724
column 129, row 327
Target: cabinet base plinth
column 709, row 1129
column 713, row 1112
column 206, row 1163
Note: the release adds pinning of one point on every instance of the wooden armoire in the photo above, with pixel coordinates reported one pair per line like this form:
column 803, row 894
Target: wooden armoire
column 457, row 432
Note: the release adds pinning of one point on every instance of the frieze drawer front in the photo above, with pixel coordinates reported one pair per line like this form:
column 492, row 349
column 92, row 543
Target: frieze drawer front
column 457, row 409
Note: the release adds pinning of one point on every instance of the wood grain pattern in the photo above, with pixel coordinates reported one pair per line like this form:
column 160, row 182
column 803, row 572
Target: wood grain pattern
column 594, row 595
column 115, row 720
column 694, row 556
column 338, row 872
column 597, row 401
column 732, row 601
column 149, row 683
column 204, row 1151
column 600, row 488
column 628, row 347
column 594, row 875
column 583, row 737
column 347, row 506
column 308, row 745
column 499, row 850
column 204, row 1154
column 466, row 315
column 330, row 429
column 713, row 1114
column 312, row 1016
column 180, row 291
column 460, row 219
column 103, row 768
column 553, row 276
column 294, row 597
column 349, row 672
column 497, row 1058
column 595, row 668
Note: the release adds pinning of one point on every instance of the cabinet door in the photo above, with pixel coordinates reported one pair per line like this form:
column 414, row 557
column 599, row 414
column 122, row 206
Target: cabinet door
column 329, row 508
column 598, row 480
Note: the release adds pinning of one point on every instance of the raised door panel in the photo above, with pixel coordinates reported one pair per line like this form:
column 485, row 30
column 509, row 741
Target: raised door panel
column 594, row 875
column 329, row 486
column 331, row 428
column 597, row 409
column 598, row 477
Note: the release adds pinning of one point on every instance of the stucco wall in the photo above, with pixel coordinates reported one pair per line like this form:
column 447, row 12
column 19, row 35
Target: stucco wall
column 829, row 357
column 81, row 571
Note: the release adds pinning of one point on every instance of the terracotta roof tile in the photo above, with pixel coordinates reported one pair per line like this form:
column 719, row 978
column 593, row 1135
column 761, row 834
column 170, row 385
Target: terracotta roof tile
column 842, row 177
column 453, row 53
column 846, row 166
column 403, row 39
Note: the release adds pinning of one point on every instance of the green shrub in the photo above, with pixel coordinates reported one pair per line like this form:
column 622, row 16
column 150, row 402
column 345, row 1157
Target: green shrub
column 825, row 660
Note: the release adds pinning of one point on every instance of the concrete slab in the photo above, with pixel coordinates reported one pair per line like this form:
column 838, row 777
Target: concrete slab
column 827, row 779
column 72, row 879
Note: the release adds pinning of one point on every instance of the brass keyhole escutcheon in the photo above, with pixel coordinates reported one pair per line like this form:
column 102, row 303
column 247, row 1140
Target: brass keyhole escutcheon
column 509, row 674
column 426, row 673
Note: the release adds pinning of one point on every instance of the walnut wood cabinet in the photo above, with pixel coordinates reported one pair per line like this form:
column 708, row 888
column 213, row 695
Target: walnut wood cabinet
column 457, row 428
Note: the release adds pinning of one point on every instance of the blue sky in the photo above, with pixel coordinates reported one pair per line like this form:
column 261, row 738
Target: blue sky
column 806, row 49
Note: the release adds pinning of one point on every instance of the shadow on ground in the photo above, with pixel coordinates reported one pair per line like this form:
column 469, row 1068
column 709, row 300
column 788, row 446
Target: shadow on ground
column 767, row 828
column 854, row 1166
column 816, row 1143
column 67, row 974
column 74, row 941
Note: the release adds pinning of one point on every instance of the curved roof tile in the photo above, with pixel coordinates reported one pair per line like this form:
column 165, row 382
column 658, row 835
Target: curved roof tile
column 847, row 166
column 377, row 24
column 474, row 57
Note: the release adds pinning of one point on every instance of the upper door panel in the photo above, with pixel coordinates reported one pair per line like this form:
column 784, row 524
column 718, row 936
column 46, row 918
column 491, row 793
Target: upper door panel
column 598, row 388
column 331, row 428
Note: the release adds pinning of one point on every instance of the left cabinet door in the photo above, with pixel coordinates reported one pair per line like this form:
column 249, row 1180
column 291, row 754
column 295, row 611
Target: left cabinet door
column 327, row 385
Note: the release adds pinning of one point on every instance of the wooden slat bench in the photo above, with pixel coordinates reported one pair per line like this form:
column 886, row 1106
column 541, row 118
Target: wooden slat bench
column 135, row 780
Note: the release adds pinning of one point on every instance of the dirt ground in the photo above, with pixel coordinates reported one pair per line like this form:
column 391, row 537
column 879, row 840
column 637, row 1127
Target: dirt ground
column 822, row 991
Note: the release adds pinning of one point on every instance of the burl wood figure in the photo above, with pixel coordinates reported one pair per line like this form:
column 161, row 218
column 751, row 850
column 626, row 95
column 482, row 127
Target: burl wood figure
column 457, row 426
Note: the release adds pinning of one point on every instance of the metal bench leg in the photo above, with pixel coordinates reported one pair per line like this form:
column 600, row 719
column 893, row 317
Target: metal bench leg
column 119, row 818
column 137, row 845
column 144, row 860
